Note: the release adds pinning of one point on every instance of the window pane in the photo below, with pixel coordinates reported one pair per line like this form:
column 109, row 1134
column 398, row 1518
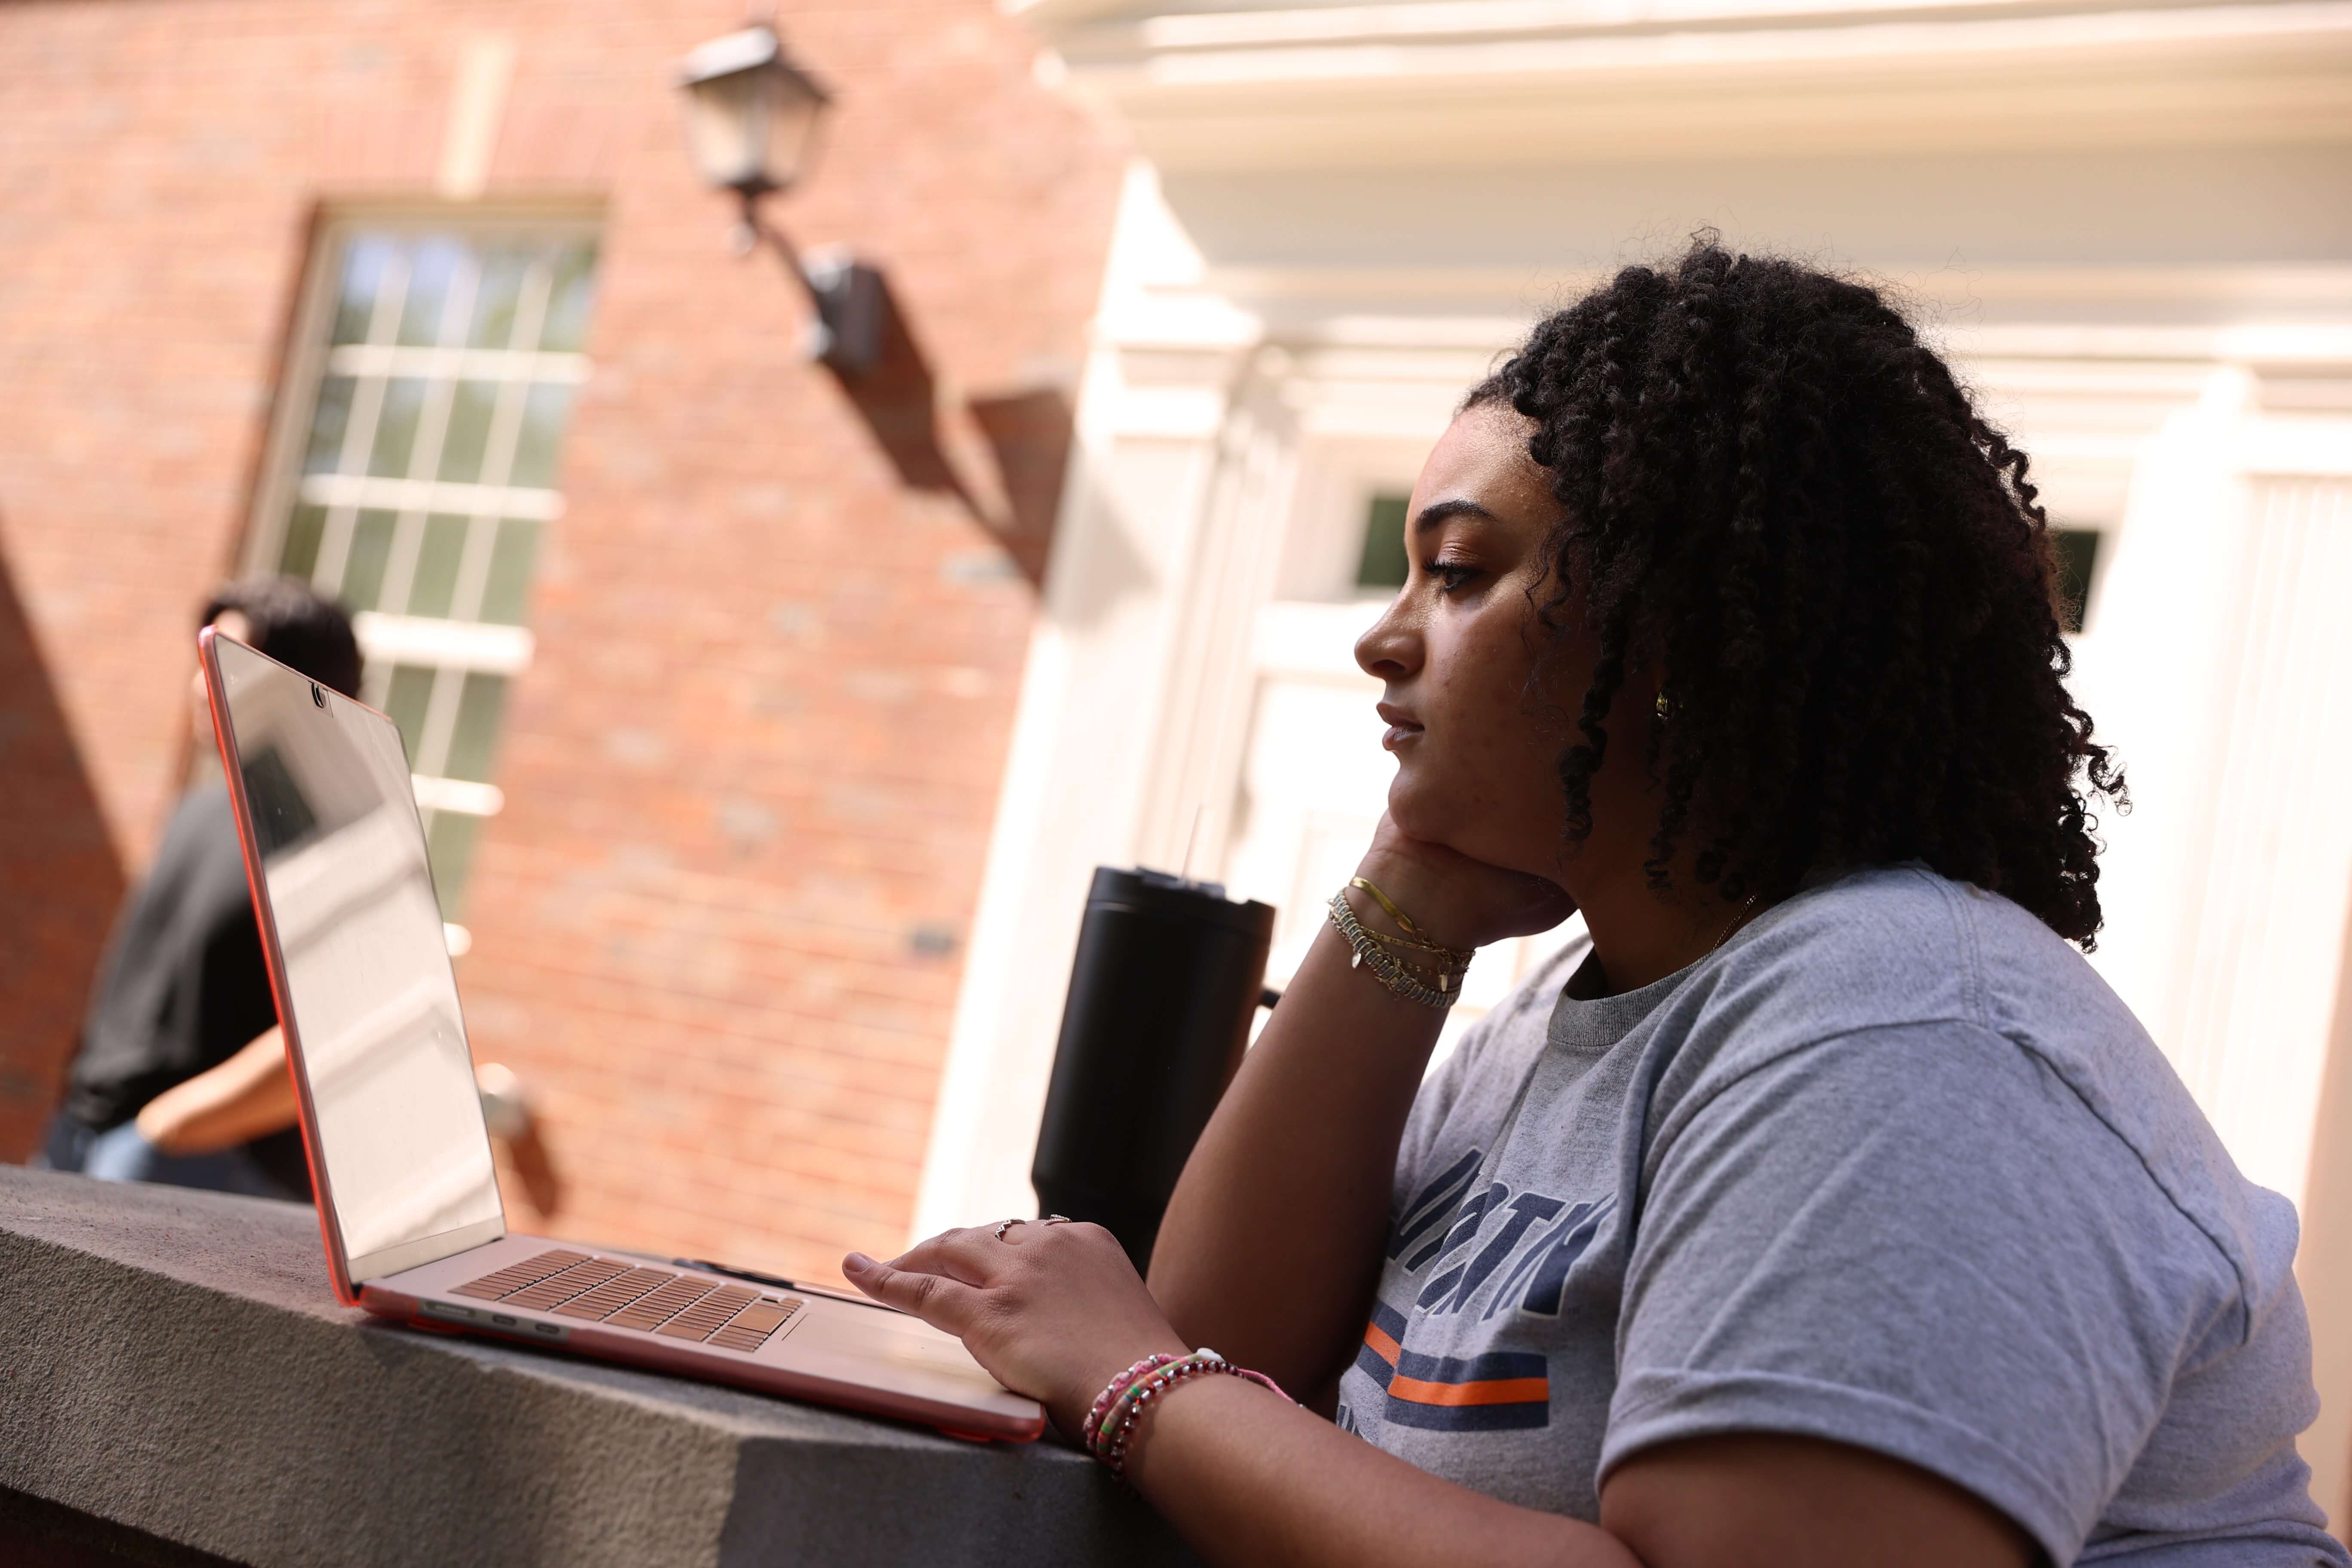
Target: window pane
column 435, row 582
column 469, row 431
column 328, row 418
column 459, row 286
column 405, row 702
column 2077, row 550
column 1383, row 562
column 364, row 264
column 433, row 270
column 508, row 586
column 475, row 740
column 450, row 846
column 363, row 584
column 541, row 436
column 395, row 427
column 566, row 326
column 299, row 556
column 504, row 268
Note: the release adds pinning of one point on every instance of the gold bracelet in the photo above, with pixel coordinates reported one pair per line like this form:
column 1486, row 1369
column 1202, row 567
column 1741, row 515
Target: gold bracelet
column 1385, row 966
column 1404, row 921
column 1448, row 959
column 1443, row 976
column 1419, row 938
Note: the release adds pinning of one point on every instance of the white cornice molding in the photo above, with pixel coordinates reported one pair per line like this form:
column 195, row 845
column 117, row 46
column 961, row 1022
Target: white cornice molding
column 1673, row 78
column 2298, row 345
column 1400, row 325
column 1464, row 304
column 1439, row 36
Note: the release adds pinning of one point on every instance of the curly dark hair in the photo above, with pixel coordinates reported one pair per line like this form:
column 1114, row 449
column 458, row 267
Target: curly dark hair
column 1777, row 496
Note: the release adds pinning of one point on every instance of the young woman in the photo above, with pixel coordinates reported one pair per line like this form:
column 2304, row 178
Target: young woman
column 1825, row 1206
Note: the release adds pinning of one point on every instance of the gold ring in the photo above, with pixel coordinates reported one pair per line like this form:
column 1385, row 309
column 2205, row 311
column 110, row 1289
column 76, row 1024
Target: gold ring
column 1008, row 1224
column 1056, row 1219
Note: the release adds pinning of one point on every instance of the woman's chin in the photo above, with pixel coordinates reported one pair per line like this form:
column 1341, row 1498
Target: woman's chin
column 1416, row 816
column 1427, row 817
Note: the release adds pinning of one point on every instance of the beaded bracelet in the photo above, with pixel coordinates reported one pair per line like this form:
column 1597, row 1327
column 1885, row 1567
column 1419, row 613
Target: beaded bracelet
column 1454, row 961
column 1116, row 1431
column 1386, row 967
column 1112, row 1390
column 1449, row 961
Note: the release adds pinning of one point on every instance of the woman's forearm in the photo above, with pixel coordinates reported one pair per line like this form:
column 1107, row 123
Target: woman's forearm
column 1248, row 1478
column 244, row 1098
column 1271, row 1243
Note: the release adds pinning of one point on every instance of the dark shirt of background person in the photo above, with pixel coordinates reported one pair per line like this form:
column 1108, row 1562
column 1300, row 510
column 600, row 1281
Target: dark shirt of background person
column 183, row 986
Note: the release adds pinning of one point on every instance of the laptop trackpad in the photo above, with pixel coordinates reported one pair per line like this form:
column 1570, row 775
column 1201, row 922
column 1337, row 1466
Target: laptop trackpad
column 863, row 1338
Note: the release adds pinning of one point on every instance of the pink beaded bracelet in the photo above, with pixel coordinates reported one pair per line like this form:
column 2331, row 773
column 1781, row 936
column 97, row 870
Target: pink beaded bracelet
column 1111, row 1391
column 1123, row 1409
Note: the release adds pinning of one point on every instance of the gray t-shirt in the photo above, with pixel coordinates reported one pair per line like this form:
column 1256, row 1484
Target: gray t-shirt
column 1893, row 1168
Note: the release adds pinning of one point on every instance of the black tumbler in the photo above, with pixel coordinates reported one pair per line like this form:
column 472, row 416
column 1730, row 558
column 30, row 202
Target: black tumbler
column 1167, row 976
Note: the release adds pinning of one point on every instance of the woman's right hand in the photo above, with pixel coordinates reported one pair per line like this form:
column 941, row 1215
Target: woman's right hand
column 1455, row 899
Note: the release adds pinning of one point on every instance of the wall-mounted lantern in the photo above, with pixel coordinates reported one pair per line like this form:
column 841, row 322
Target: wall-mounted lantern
column 752, row 120
column 751, row 115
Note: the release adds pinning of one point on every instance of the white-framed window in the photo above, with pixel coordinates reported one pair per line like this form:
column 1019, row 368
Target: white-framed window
column 2078, row 551
column 412, row 473
column 1384, row 561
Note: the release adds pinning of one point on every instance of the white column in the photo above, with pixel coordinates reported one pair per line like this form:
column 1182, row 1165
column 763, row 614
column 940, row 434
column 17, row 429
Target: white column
column 2271, row 897
column 2223, row 671
column 2149, row 676
column 1189, row 795
column 2222, row 674
column 1134, row 670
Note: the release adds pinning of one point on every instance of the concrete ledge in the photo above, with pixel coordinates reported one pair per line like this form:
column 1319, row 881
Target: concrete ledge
column 173, row 1362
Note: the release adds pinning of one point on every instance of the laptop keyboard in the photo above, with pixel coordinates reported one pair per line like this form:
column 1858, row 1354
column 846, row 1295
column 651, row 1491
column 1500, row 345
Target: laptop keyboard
column 648, row 1300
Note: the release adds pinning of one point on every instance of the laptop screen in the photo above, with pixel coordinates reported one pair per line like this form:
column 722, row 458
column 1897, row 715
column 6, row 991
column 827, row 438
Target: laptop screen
column 333, row 820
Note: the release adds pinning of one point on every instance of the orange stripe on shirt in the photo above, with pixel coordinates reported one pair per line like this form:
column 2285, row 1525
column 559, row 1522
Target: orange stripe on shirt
column 1493, row 1391
column 1383, row 1345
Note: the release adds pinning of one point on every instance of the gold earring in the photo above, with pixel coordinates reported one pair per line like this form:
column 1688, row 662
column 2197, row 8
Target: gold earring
column 1664, row 710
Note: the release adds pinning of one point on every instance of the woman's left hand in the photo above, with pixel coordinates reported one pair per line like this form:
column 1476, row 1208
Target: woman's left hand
column 1054, row 1311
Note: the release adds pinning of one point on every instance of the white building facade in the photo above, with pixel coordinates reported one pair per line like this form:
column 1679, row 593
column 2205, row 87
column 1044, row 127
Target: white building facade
column 2132, row 231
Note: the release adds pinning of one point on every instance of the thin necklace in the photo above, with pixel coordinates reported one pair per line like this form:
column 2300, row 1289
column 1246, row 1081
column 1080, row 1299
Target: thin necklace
column 1738, row 915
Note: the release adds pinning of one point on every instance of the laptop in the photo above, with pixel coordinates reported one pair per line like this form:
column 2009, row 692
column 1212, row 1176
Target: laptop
column 400, row 1154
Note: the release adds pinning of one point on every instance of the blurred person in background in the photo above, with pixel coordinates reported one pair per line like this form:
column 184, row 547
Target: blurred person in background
column 1821, row 1204
column 183, row 993
column 182, row 1077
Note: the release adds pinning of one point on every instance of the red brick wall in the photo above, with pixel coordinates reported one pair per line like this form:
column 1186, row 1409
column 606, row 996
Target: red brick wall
column 751, row 771
column 59, row 882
